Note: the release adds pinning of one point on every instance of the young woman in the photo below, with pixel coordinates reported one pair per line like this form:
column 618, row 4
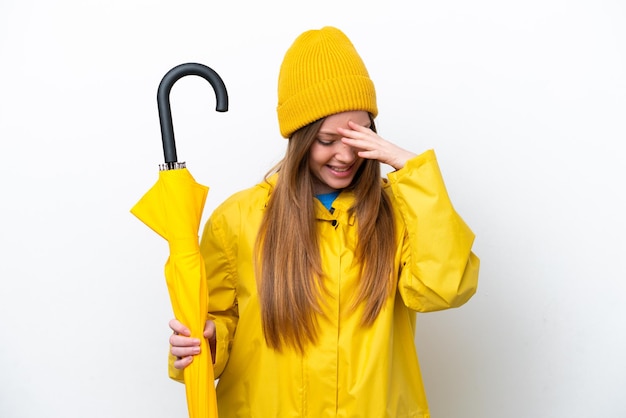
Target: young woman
column 315, row 274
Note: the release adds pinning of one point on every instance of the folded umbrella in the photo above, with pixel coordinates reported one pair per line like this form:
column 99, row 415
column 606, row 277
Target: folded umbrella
column 173, row 209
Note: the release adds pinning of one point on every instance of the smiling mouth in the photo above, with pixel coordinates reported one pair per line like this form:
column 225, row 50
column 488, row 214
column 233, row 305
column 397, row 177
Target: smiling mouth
column 340, row 171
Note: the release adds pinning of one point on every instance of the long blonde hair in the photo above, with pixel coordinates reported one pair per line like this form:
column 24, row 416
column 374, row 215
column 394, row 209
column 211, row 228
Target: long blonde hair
column 289, row 268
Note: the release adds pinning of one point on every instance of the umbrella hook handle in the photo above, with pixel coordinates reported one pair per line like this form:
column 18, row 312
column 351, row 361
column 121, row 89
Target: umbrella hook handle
column 163, row 101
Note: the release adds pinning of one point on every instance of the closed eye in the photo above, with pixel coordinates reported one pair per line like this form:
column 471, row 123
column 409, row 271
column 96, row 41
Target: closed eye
column 325, row 143
column 327, row 139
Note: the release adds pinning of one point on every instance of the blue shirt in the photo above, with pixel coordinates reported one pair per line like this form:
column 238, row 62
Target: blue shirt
column 327, row 199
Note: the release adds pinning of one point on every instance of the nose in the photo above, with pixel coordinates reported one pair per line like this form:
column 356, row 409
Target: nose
column 345, row 153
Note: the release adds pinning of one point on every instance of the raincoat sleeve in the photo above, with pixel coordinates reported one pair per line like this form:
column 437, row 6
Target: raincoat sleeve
column 438, row 269
column 222, row 292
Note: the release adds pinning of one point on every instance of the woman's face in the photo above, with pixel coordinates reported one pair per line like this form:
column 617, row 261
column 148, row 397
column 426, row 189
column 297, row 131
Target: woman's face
column 333, row 163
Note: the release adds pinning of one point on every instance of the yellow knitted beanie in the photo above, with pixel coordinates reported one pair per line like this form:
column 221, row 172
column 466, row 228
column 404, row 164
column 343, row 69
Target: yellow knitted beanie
column 321, row 74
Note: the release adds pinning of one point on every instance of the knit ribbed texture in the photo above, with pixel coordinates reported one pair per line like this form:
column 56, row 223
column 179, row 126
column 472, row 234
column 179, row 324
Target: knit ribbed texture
column 322, row 74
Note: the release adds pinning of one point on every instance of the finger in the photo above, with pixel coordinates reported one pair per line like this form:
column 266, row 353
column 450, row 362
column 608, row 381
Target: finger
column 209, row 330
column 182, row 352
column 359, row 128
column 179, row 328
column 359, row 144
column 353, row 133
column 177, row 340
column 363, row 141
column 209, row 334
column 183, row 362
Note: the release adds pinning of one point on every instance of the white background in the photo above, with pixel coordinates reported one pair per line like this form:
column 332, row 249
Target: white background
column 524, row 103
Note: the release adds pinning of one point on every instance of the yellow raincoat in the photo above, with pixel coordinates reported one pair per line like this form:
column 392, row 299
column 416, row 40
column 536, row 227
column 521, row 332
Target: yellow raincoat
column 352, row 371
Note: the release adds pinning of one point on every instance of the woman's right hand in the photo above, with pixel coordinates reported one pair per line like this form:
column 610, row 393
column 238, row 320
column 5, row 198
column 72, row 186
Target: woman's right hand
column 184, row 347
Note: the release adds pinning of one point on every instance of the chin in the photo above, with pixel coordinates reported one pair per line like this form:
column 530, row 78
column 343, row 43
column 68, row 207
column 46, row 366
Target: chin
column 338, row 185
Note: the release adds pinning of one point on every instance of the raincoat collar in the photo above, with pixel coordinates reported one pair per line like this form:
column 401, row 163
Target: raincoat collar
column 340, row 207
